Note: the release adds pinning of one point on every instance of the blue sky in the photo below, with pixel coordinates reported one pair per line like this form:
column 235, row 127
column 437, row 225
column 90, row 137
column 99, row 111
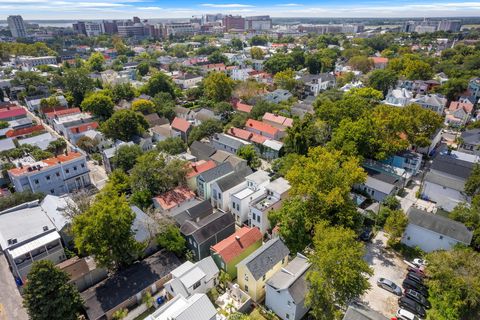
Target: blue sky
column 122, row 9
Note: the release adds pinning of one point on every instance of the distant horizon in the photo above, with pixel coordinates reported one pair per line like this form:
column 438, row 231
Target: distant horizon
column 49, row 10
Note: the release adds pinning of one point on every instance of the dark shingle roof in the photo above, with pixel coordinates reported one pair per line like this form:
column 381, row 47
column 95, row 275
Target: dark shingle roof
column 265, row 257
column 230, row 181
column 208, row 226
column 200, row 210
column 452, row 166
column 217, row 172
column 126, row 284
column 201, row 150
column 359, row 312
column 471, row 136
column 440, row 225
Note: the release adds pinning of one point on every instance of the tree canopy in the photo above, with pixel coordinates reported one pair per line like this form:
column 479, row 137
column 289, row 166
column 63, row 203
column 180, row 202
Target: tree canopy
column 99, row 104
column 218, row 86
column 124, row 125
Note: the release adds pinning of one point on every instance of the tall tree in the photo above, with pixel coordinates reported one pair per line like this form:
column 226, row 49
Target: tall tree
column 472, row 185
column 382, row 80
column 144, row 106
column 99, row 104
column 206, row 129
column 285, row 79
column 304, row 134
column 218, row 86
column 94, row 234
column 159, row 82
column 126, row 156
column 454, row 284
column 172, row 146
column 49, row 295
column 170, row 238
column 124, row 125
column 248, row 152
column 337, row 273
column 78, row 82
column 96, row 61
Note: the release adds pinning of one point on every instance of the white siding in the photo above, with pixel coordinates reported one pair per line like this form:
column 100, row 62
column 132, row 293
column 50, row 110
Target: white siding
column 426, row 240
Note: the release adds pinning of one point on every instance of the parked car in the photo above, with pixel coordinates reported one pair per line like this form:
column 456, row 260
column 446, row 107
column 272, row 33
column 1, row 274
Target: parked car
column 409, row 284
column 412, row 306
column 415, row 277
column 418, row 297
column 420, row 271
column 389, row 286
column 403, row 314
column 419, row 262
column 366, row 235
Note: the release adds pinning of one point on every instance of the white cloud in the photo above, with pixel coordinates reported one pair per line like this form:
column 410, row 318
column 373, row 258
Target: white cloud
column 289, row 5
column 226, row 5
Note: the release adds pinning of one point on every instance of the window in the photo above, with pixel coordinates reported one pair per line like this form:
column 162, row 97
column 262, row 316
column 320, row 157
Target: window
column 36, row 181
column 283, row 260
column 75, row 168
column 258, row 218
column 254, row 216
column 441, row 237
column 264, row 277
column 222, row 265
column 196, row 285
column 287, row 315
column 52, row 191
column 83, row 165
column 67, row 171
column 246, row 277
column 57, row 174
column 246, row 288
column 195, row 244
column 288, row 302
column 47, row 177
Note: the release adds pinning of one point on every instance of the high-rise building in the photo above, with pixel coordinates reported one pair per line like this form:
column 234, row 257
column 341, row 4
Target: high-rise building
column 93, row 29
column 233, row 22
column 136, row 20
column 17, row 26
column 178, row 28
column 257, row 23
column 110, row 27
column 137, row 30
column 449, row 25
column 79, row 28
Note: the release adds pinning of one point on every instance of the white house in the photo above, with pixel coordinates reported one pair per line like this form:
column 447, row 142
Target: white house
column 191, row 278
column 197, row 307
column 187, row 80
column 275, row 192
column 223, row 188
column 240, row 201
column 432, row 232
column 398, row 97
column 285, row 291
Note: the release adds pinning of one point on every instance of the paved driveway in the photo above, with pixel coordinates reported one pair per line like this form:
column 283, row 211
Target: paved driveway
column 385, row 264
column 10, row 299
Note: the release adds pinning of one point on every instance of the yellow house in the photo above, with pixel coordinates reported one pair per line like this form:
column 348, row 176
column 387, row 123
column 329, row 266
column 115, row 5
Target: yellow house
column 254, row 271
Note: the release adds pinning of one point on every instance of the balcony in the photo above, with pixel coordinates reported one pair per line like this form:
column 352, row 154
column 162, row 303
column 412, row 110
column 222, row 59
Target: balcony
column 265, row 203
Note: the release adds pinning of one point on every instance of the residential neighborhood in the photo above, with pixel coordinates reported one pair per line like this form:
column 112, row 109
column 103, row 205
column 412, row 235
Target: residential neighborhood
column 229, row 167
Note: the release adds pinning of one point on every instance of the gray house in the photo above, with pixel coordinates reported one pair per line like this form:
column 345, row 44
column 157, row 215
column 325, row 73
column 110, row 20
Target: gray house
column 277, row 96
column 224, row 142
column 470, row 141
column 201, row 151
column 203, row 233
column 205, row 179
column 380, row 185
column 286, row 290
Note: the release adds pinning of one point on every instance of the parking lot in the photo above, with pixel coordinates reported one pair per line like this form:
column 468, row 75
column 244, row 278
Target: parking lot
column 385, row 264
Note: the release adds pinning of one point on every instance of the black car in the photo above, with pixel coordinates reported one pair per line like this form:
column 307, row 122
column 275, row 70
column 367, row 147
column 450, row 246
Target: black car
column 409, row 284
column 418, row 297
column 412, row 306
column 366, row 235
column 415, row 277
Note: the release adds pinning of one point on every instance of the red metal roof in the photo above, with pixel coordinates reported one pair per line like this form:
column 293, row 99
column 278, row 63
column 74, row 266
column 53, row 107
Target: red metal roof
column 181, row 124
column 466, row 106
column 200, row 166
column 262, row 127
column 62, row 112
column 24, row 131
column 281, row 120
column 246, row 135
column 11, row 112
column 238, row 242
column 47, row 163
column 174, row 197
column 243, row 107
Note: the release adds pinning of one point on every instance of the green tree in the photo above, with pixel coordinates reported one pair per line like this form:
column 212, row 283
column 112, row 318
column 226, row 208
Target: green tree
column 123, row 91
column 217, row 57
column 313, row 63
column 126, row 156
column 337, row 272
column 96, row 61
column 165, row 105
column 257, row 53
column 361, row 63
column 472, row 185
column 304, row 134
column 382, row 80
column 469, row 214
column 87, row 144
column 218, row 86
column 278, row 62
column 143, row 106
column 395, row 225
column 172, row 146
column 453, row 87
column 171, row 239
column 159, row 82
column 112, row 248
column 124, row 125
column 98, row 104
column 418, row 70
column 285, row 79
column 49, row 295
column 454, row 284
column 206, row 129
column 17, row 198
column 248, row 152
column 260, row 108
column 143, row 68
column 57, row 146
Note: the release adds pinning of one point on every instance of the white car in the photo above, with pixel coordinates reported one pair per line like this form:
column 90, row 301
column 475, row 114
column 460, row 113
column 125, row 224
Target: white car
column 419, row 262
column 406, row 315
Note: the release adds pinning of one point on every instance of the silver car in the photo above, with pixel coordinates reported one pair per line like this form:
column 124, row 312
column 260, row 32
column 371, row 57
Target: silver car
column 389, row 286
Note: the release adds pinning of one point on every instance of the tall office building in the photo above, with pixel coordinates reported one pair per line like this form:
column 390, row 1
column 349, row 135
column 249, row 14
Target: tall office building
column 257, row 23
column 449, row 25
column 79, row 27
column 17, row 26
column 233, row 22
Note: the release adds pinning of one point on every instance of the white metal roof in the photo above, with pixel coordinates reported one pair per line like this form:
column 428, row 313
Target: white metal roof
column 35, row 244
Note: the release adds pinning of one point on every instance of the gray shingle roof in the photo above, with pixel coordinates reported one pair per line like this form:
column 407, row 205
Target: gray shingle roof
column 230, row 141
column 451, row 183
column 230, row 181
column 201, row 150
column 471, row 136
column 199, row 210
column 440, row 225
column 359, row 312
column 208, row 226
column 217, row 172
column 452, row 166
column 265, row 257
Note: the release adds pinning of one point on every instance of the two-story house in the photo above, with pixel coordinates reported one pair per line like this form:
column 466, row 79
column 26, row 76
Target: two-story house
column 230, row 251
column 459, row 113
column 398, row 97
column 224, row 142
column 287, row 288
column 240, row 200
column 254, row 271
column 183, row 127
column 275, row 192
column 191, row 278
column 470, row 141
column 317, row 83
column 175, row 200
column 196, row 168
column 27, row 235
column 433, row 102
column 62, row 174
column 206, row 178
column 432, row 232
column 264, row 129
column 224, row 187
column 198, row 307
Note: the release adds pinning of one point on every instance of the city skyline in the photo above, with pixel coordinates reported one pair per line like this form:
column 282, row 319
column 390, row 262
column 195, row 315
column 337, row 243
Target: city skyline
column 123, row 9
